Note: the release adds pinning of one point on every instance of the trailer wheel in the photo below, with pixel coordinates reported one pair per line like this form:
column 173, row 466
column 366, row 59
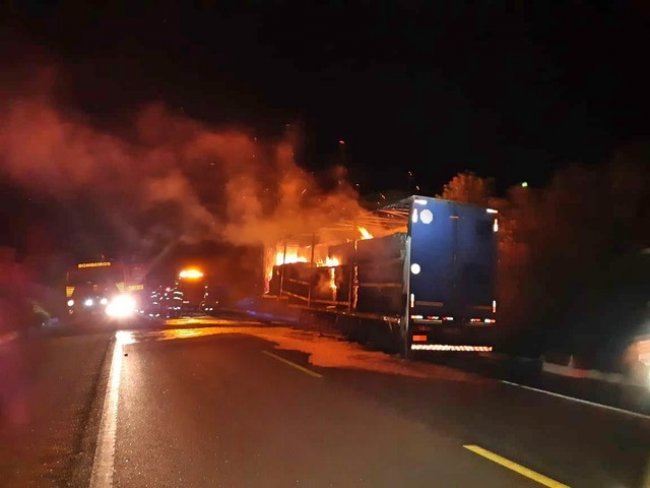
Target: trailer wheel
column 381, row 337
column 352, row 329
column 405, row 344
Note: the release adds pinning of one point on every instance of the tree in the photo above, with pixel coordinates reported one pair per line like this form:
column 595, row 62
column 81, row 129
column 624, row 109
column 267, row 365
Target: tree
column 561, row 286
column 467, row 187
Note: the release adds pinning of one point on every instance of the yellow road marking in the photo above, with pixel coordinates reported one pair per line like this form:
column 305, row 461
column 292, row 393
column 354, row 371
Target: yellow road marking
column 517, row 468
column 293, row 365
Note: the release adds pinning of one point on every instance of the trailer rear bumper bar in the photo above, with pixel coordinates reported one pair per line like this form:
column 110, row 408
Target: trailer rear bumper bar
column 450, row 347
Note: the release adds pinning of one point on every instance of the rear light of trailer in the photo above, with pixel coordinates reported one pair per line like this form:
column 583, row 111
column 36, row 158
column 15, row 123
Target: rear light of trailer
column 419, row 338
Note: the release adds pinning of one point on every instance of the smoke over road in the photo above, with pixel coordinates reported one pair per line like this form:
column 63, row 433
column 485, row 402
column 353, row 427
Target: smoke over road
column 164, row 176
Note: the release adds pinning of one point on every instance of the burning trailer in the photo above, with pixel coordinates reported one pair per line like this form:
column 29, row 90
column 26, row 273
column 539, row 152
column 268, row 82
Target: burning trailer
column 415, row 275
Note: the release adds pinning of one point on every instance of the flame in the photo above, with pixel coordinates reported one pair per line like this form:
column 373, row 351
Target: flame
column 333, row 286
column 331, row 262
column 364, row 233
column 291, row 256
column 280, row 257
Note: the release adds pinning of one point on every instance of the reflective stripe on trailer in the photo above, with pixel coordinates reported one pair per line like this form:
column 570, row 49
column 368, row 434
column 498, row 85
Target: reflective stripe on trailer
column 450, row 347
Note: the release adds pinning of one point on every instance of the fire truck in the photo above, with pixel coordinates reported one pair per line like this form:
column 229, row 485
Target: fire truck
column 189, row 295
column 417, row 275
column 103, row 289
column 190, row 292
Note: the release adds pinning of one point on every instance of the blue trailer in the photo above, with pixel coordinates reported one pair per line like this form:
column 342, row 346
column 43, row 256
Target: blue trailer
column 425, row 281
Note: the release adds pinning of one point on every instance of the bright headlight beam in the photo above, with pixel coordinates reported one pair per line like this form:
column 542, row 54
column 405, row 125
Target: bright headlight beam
column 121, row 306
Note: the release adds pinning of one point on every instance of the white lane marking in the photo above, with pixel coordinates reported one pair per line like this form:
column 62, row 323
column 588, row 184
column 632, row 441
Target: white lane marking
column 580, row 400
column 103, row 462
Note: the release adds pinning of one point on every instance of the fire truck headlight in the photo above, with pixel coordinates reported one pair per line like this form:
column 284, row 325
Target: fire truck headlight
column 121, row 306
column 104, row 301
column 89, row 302
column 70, row 303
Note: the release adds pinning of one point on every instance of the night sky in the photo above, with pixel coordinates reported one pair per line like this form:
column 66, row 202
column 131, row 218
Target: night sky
column 511, row 92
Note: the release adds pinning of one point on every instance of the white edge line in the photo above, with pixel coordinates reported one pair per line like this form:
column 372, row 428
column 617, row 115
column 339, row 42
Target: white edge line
column 579, row 400
column 103, row 462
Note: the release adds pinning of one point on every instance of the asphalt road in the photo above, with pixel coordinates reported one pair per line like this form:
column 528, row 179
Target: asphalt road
column 227, row 407
column 48, row 387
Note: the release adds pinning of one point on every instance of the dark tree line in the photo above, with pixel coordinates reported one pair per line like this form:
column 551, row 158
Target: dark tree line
column 574, row 262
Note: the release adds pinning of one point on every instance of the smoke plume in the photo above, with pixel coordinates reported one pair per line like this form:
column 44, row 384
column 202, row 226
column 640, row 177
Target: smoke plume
column 165, row 176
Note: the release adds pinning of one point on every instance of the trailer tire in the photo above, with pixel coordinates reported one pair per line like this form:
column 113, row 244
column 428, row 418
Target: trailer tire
column 405, row 345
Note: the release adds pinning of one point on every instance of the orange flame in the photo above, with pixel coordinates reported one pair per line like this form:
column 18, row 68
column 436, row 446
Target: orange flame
column 364, row 233
column 330, row 262
column 333, row 286
column 291, row 256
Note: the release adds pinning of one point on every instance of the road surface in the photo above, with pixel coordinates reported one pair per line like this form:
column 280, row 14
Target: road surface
column 240, row 404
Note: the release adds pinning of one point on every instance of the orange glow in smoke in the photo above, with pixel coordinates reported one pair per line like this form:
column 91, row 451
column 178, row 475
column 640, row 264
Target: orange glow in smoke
column 364, row 233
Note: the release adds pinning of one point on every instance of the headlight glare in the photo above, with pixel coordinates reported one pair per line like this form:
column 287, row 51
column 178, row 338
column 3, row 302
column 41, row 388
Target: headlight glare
column 121, row 306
